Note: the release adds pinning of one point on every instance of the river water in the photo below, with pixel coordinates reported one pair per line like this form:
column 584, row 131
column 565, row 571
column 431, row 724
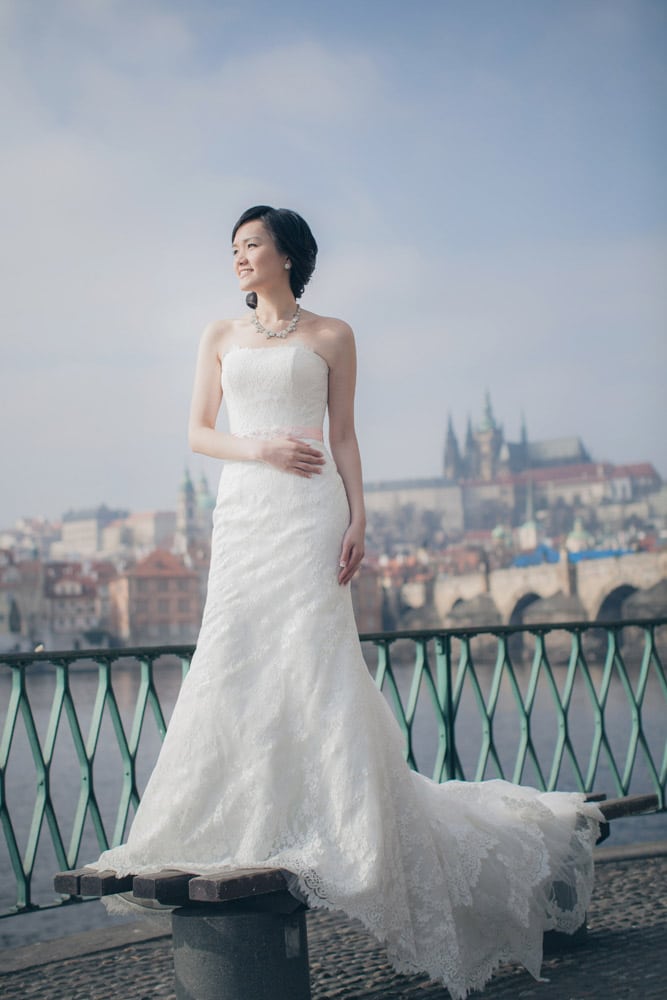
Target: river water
column 108, row 767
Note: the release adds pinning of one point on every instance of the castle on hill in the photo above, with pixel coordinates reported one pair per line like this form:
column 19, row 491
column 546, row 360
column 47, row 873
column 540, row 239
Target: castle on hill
column 487, row 454
column 492, row 481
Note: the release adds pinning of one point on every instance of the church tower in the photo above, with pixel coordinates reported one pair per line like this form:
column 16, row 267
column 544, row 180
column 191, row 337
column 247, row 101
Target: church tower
column 489, row 439
column 205, row 502
column 452, row 465
column 186, row 515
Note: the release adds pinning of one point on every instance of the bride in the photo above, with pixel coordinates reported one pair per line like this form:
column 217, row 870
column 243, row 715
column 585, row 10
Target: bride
column 281, row 752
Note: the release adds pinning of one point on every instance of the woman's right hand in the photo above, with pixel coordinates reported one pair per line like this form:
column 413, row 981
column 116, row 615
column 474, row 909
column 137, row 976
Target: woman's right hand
column 292, row 454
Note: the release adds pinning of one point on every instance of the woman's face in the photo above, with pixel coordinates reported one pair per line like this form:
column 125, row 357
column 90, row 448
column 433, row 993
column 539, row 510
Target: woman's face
column 257, row 263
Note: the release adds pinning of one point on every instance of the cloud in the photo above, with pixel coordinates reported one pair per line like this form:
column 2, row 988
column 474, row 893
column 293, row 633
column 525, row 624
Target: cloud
column 552, row 334
column 459, row 233
column 152, row 156
column 117, row 258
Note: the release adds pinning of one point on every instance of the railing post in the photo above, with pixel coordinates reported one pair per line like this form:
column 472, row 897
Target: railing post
column 449, row 765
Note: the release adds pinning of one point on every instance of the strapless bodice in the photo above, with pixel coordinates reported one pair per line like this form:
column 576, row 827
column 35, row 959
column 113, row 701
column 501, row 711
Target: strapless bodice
column 272, row 389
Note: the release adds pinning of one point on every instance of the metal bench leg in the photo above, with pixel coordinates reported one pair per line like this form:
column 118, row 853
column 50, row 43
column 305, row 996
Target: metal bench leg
column 557, row 941
column 241, row 951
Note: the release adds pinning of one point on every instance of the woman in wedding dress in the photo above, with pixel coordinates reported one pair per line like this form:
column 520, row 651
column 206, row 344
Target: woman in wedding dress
column 281, row 752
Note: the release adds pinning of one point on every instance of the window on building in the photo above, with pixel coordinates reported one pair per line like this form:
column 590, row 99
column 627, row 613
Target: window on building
column 163, row 606
column 162, row 586
column 184, row 605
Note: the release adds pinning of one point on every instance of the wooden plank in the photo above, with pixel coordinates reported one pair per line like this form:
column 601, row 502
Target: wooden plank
column 165, row 886
column 105, row 883
column 91, row 882
column 238, row 883
column 629, row 805
column 69, row 882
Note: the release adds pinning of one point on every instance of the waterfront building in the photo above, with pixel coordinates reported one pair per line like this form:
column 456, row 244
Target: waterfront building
column 71, row 606
column 156, row 601
column 22, row 590
column 140, row 533
column 30, row 538
column 83, row 532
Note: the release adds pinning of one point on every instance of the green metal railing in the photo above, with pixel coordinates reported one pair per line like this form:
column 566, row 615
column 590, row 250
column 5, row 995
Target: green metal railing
column 476, row 703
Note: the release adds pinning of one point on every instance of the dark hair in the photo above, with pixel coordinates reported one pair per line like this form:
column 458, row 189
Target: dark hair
column 292, row 236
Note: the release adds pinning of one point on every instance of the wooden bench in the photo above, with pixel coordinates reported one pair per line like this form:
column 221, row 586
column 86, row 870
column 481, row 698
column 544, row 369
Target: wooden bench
column 237, row 934
column 241, row 935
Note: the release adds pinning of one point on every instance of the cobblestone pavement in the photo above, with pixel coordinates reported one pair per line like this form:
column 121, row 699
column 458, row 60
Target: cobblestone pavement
column 624, row 957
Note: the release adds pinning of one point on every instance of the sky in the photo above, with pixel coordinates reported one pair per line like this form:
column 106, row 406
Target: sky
column 485, row 179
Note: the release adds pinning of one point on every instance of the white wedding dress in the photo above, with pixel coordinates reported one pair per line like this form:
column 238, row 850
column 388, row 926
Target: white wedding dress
column 281, row 752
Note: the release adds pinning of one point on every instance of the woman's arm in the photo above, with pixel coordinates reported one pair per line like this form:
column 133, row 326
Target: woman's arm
column 289, row 454
column 344, row 447
column 205, row 405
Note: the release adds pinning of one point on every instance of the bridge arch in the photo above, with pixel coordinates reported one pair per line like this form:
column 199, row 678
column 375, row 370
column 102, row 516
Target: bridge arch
column 478, row 610
column 611, row 605
column 523, row 602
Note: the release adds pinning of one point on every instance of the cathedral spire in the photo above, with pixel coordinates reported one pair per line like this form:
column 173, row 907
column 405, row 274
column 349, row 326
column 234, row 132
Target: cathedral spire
column 488, row 420
column 452, row 466
column 469, row 450
column 488, row 440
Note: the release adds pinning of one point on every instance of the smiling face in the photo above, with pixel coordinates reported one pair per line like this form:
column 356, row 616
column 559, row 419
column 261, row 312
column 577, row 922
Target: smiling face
column 257, row 263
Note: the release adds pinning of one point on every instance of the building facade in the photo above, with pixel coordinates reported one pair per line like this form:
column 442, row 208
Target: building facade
column 156, row 601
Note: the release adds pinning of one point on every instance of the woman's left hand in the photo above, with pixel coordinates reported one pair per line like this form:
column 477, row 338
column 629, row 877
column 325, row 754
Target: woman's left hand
column 352, row 552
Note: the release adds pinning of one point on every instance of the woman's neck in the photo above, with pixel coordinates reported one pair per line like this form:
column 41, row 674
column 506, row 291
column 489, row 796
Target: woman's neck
column 274, row 308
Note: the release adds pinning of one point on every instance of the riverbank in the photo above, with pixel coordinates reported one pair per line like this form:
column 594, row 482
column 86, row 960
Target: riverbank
column 624, row 956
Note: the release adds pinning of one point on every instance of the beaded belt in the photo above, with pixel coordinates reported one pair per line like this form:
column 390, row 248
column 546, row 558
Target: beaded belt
column 306, row 432
column 301, row 432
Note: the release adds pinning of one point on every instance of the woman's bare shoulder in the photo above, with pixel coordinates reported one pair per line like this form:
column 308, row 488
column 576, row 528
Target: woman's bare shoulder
column 219, row 335
column 334, row 328
column 330, row 336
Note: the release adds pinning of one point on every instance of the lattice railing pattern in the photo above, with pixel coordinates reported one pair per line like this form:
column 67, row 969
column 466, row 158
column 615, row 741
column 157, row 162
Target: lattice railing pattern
column 446, row 666
column 65, row 714
column 557, row 705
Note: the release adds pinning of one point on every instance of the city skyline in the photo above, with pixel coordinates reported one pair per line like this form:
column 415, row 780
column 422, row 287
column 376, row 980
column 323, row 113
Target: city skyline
column 198, row 466
column 487, row 192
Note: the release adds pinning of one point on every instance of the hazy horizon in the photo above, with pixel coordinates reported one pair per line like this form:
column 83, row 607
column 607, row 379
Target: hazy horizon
column 485, row 182
column 198, row 465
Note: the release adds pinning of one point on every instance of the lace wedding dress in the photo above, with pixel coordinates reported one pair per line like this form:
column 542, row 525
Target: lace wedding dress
column 281, row 752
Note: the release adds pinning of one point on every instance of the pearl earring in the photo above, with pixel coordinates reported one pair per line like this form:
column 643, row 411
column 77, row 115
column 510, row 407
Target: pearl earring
column 288, row 264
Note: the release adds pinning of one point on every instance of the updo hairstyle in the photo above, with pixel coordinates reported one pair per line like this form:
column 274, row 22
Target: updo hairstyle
column 292, row 236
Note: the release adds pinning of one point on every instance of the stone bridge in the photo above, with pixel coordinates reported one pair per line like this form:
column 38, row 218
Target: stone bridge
column 599, row 584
